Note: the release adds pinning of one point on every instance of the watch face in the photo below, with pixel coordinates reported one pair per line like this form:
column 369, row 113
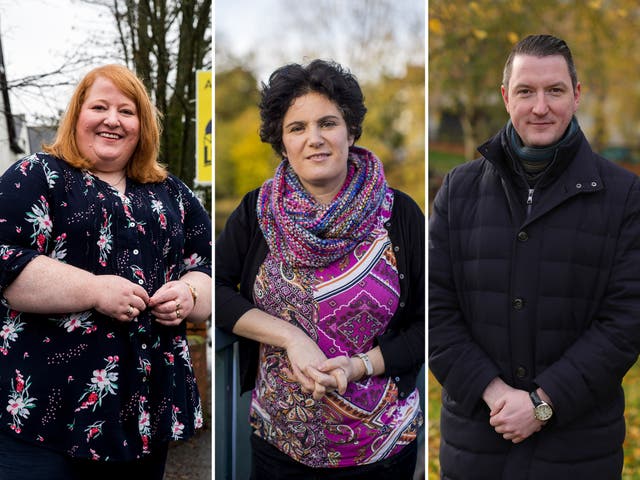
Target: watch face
column 543, row 412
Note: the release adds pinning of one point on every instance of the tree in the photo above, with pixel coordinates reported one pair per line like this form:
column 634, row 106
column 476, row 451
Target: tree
column 237, row 123
column 469, row 43
column 394, row 128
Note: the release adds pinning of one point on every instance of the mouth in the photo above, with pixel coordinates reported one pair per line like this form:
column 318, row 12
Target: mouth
column 109, row 135
column 318, row 156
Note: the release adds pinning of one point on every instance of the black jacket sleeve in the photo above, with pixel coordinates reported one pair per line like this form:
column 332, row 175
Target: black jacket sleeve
column 234, row 261
column 403, row 343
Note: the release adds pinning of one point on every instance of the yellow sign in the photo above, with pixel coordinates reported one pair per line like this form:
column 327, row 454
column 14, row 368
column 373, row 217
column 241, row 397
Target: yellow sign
column 204, row 128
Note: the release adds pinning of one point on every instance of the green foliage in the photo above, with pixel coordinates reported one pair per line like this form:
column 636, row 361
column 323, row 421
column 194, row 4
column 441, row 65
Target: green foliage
column 253, row 160
column 237, row 123
column 394, row 129
column 236, row 90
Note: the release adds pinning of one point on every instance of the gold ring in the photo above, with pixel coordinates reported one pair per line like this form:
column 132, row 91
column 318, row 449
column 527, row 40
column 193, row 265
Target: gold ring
column 129, row 311
column 177, row 306
column 178, row 314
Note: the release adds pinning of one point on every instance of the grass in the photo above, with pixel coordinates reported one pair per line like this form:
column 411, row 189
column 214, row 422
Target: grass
column 631, row 385
column 441, row 162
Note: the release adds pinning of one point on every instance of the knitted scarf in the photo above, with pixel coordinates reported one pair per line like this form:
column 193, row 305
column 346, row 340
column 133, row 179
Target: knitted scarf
column 306, row 234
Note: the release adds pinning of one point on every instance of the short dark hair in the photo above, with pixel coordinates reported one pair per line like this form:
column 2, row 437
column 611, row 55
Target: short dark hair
column 540, row 46
column 294, row 80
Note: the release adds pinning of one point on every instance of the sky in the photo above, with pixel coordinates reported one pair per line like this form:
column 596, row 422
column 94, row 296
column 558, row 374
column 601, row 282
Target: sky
column 37, row 36
column 241, row 25
column 243, row 21
column 262, row 31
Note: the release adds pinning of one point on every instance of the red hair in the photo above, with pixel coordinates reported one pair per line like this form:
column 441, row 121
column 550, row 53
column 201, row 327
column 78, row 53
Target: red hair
column 143, row 166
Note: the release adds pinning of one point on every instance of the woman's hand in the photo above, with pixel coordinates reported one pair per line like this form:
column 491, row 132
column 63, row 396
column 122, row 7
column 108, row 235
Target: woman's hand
column 118, row 297
column 343, row 370
column 172, row 303
column 305, row 356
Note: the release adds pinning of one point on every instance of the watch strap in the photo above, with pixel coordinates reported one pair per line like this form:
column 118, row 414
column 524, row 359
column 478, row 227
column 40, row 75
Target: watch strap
column 535, row 398
column 368, row 367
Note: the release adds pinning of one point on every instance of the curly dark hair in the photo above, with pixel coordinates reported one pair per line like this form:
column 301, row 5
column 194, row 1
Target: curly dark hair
column 294, row 80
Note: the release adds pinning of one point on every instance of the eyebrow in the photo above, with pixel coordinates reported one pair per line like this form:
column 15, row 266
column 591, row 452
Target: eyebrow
column 526, row 85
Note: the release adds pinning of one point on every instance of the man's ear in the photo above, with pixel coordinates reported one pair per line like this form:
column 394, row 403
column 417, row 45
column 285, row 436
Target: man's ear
column 505, row 96
column 576, row 96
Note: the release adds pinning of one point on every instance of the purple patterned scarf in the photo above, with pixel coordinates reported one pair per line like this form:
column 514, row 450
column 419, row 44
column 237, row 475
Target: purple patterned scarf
column 306, row 234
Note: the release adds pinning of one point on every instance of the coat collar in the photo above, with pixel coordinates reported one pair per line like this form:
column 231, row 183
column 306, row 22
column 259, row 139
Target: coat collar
column 574, row 171
column 575, row 165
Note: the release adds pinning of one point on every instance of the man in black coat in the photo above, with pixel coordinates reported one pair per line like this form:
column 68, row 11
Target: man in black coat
column 534, row 289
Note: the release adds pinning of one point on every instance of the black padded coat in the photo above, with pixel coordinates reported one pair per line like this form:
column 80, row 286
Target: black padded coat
column 541, row 288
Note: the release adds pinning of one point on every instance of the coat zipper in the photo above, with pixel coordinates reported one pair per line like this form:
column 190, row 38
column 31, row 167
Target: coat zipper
column 530, row 201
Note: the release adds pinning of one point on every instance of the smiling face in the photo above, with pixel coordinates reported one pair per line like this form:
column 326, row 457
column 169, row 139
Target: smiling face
column 108, row 127
column 316, row 142
column 540, row 98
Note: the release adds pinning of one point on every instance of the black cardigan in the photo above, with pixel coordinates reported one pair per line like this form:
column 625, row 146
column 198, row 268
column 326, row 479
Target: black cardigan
column 241, row 249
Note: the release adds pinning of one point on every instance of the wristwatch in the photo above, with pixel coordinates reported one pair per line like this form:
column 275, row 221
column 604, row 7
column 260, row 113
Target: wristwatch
column 541, row 409
column 368, row 367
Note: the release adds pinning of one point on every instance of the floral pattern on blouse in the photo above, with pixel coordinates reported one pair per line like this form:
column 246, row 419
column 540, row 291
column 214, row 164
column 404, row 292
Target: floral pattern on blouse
column 83, row 383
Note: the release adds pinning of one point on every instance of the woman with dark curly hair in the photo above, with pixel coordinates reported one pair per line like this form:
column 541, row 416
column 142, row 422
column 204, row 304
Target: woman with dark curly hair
column 320, row 272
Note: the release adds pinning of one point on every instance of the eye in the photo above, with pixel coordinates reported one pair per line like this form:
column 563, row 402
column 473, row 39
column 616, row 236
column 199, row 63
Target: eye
column 98, row 107
column 127, row 111
column 328, row 123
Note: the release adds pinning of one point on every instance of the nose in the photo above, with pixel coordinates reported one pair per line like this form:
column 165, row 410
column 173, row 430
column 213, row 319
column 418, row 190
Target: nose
column 315, row 137
column 111, row 118
column 540, row 107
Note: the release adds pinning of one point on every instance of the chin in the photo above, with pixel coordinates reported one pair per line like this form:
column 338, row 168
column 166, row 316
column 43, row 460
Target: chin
column 538, row 142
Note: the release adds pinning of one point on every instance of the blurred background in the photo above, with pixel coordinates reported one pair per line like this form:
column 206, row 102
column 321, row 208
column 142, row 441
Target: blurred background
column 468, row 45
column 382, row 43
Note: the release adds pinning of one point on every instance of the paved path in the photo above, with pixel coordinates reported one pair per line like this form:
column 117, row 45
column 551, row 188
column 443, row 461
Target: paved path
column 190, row 460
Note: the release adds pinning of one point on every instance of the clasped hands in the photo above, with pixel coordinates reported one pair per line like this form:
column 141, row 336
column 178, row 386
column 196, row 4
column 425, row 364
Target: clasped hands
column 124, row 300
column 511, row 411
column 317, row 374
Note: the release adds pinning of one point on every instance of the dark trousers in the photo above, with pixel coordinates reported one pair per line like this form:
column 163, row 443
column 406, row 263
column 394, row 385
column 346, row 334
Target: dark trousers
column 23, row 461
column 269, row 463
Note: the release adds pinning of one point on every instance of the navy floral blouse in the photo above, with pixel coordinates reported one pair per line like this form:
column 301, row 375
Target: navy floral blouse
column 83, row 383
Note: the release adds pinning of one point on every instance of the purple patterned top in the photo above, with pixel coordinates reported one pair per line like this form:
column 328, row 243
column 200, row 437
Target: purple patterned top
column 354, row 300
